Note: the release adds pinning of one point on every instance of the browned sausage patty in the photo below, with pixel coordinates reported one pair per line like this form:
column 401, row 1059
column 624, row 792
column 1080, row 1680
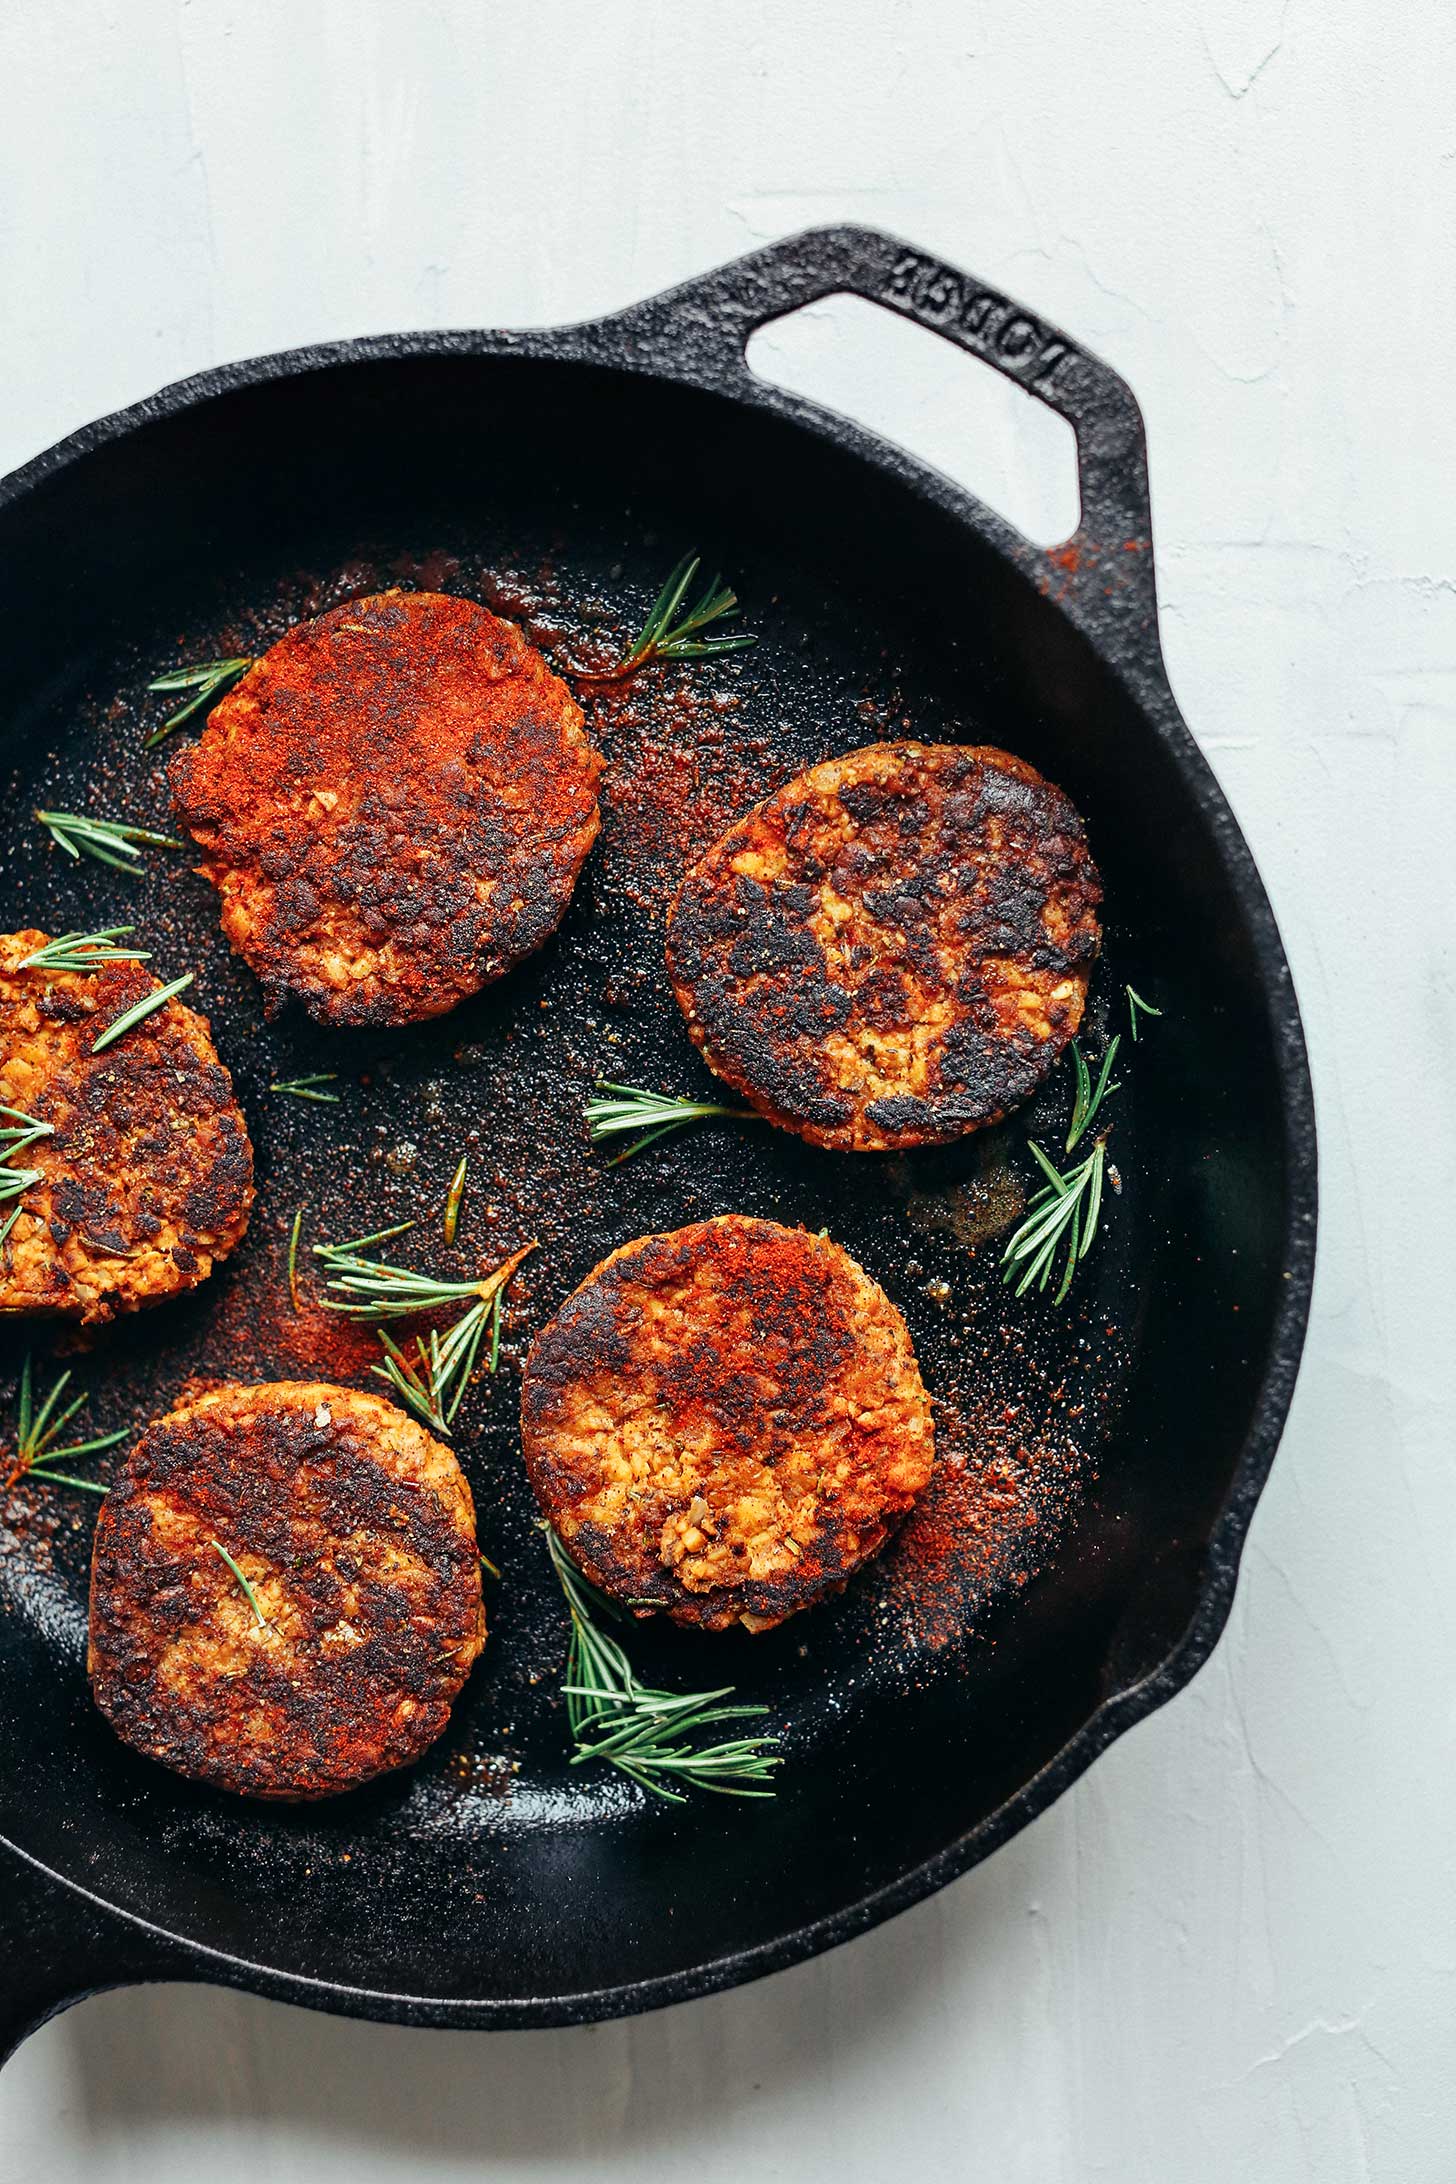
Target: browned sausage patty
column 356, row 1531
column 894, row 948
column 725, row 1422
column 146, row 1176
column 394, row 804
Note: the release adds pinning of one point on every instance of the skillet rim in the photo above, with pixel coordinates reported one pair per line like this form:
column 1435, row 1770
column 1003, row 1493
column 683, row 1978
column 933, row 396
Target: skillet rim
column 675, row 336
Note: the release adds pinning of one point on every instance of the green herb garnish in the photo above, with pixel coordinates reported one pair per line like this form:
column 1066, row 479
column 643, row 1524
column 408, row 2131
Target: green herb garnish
column 431, row 1381
column 453, row 1199
column 293, row 1235
column 252, row 1598
column 1136, row 1005
column 673, row 631
column 140, row 1010
column 656, row 1113
column 655, row 1737
column 18, row 1131
column 107, row 840
column 38, row 1428
column 84, row 952
column 307, row 1088
column 1066, row 1210
column 207, row 681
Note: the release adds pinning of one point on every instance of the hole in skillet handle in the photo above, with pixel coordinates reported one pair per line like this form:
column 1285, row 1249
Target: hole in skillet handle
column 985, row 431
column 1102, row 575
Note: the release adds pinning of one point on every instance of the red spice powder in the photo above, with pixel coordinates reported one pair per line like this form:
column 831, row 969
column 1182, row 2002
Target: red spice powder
column 680, row 770
column 990, row 1514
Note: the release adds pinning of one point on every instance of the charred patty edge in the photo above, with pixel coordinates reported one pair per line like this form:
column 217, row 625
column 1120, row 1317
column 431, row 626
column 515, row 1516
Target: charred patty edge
column 582, row 1335
column 760, row 1003
column 222, row 1463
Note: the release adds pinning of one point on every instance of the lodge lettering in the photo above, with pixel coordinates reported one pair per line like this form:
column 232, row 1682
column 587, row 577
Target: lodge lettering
column 986, row 322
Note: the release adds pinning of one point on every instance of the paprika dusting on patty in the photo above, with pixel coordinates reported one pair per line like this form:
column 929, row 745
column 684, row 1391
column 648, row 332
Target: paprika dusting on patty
column 144, row 1171
column 724, row 1422
column 394, row 804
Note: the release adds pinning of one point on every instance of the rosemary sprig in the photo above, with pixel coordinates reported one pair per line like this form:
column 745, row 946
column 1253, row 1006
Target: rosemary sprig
column 673, row 631
column 207, row 681
column 17, row 1131
column 13, row 1181
column 293, row 1235
column 1136, row 1004
column 21, row 1130
column 433, row 1379
column 107, row 840
column 140, row 1010
column 84, row 951
column 655, row 1737
column 1065, row 1212
column 453, row 1199
column 252, row 1598
column 307, row 1088
column 1065, row 1209
column 658, row 1113
column 38, row 1428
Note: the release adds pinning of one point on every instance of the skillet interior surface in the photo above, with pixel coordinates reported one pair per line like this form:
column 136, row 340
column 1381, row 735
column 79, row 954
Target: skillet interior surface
column 1088, row 1450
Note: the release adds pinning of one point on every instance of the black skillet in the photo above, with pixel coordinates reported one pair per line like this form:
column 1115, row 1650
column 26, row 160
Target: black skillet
column 1109, row 1454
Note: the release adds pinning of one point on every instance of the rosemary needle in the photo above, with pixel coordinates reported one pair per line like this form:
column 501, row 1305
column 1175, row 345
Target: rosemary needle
column 253, row 1601
column 140, row 1010
column 307, row 1088
column 1135, row 1005
column 655, row 1737
column 453, row 1198
column 293, row 1236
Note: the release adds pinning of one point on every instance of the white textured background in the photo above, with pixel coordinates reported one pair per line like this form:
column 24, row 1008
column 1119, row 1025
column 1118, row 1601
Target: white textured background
column 1228, row 1955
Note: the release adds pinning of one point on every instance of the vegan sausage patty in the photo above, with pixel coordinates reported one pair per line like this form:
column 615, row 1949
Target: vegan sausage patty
column 355, row 1530
column 394, row 804
column 724, row 1422
column 894, row 948
column 144, row 1179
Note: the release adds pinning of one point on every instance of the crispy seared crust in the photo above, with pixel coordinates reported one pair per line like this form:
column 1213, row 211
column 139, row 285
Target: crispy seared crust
column 725, row 1422
column 356, row 1530
column 894, row 948
column 147, row 1179
column 394, row 804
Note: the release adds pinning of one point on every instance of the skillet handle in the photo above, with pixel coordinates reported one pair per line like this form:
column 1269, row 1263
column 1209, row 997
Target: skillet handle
column 1107, row 564
column 57, row 1947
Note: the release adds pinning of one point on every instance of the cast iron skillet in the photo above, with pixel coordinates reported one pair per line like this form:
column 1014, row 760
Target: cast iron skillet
column 1108, row 1455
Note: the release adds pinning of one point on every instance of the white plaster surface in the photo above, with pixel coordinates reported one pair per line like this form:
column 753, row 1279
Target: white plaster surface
column 1230, row 1953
